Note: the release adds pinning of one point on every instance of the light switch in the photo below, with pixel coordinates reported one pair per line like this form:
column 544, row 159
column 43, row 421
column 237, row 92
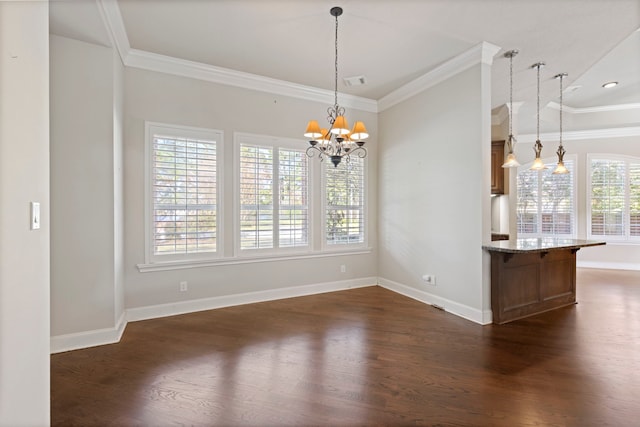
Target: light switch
column 35, row 215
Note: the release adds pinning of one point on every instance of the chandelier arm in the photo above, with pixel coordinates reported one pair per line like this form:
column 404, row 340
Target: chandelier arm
column 362, row 153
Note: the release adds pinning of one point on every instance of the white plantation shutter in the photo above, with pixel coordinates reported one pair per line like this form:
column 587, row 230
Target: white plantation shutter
column 634, row 199
column 614, row 197
column 345, row 202
column 184, row 193
column 546, row 202
column 293, row 214
column 607, row 197
column 256, row 197
column 528, row 201
column 557, row 201
column 274, row 195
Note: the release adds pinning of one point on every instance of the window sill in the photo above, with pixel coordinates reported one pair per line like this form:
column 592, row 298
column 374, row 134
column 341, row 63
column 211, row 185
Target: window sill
column 180, row 265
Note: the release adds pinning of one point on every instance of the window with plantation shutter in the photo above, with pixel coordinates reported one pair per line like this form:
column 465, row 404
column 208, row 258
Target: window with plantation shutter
column 546, row 202
column 183, row 190
column 273, row 194
column 614, row 197
column 634, row 199
column 345, row 203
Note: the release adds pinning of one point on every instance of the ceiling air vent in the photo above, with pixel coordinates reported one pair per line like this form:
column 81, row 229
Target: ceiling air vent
column 355, row 80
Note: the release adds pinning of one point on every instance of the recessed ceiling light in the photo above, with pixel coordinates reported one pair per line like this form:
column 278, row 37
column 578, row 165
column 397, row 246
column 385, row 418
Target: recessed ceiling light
column 609, row 84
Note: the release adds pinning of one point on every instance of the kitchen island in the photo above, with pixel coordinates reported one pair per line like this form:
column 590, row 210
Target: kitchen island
column 531, row 276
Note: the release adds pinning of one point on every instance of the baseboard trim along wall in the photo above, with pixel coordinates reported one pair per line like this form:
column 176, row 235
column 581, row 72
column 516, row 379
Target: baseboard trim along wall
column 191, row 306
column 75, row 341
column 86, row 339
column 461, row 310
column 608, row 265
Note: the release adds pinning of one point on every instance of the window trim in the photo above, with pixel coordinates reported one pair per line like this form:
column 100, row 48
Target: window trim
column 549, row 161
column 240, row 138
column 627, row 238
column 152, row 128
column 325, row 247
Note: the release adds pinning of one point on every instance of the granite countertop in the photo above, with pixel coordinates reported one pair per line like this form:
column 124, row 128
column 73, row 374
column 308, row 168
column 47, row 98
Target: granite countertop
column 544, row 244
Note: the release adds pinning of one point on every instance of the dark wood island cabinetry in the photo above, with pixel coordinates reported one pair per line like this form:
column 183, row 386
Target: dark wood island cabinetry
column 531, row 276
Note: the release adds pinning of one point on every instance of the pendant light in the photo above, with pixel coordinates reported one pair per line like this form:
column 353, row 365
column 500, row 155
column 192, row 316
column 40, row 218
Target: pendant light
column 538, row 164
column 510, row 161
column 338, row 141
column 561, row 168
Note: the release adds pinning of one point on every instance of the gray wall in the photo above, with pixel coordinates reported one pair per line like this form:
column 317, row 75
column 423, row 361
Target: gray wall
column 169, row 99
column 434, row 191
column 86, row 187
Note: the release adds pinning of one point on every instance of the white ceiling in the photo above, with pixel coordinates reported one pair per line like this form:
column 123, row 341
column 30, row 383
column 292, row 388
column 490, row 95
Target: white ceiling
column 389, row 42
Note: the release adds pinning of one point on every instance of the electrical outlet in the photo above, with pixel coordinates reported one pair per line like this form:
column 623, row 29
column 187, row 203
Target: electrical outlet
column 429, row 279
column 183, row 287
column 343, row 268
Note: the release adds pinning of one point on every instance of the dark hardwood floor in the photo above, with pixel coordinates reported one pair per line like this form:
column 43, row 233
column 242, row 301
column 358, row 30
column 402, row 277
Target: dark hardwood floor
column 365, row 357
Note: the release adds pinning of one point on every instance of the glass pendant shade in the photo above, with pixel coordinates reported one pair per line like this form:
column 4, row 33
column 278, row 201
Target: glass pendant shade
column 538, row 164
column 560, row 169
column 359, row 131
column 340, row 126
column 313, row 130
column 511, row 161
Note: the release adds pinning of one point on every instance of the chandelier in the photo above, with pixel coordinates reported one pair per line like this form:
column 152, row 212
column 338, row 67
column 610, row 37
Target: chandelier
column 337, row 141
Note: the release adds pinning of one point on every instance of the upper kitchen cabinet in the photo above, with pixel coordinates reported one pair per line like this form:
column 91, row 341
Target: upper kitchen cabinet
column 497, row 173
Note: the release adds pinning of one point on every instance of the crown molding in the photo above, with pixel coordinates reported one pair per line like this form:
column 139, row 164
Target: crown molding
column 501, row 115
column 599, row 109
column 197, row 70
column 578, row 135
column 169, row 65
column 480, row 53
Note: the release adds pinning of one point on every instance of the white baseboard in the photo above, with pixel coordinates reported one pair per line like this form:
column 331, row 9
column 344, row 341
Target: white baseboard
column 183, row 307
column 461, row 310
column 86, row 339
column 608, row 265
column 98, row 337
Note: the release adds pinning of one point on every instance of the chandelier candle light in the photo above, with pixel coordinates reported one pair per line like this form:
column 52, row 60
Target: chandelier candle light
column 561, row 168
column 511, row 161
column 338, row 141
column 537, row 163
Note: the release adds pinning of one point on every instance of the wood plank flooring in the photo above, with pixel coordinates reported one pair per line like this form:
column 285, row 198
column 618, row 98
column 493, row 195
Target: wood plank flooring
column 365, row 357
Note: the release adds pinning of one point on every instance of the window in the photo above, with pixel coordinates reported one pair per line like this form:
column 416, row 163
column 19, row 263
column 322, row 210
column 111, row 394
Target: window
column 614, row 197
column 345, row 203
column 546, row 202
column 183, row 208
column 273, row 180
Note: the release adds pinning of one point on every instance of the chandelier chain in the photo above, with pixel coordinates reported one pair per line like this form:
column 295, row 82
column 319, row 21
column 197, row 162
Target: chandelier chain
column 538, row 106
column 561, row 77
column 510, row 94
column 335, row 93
